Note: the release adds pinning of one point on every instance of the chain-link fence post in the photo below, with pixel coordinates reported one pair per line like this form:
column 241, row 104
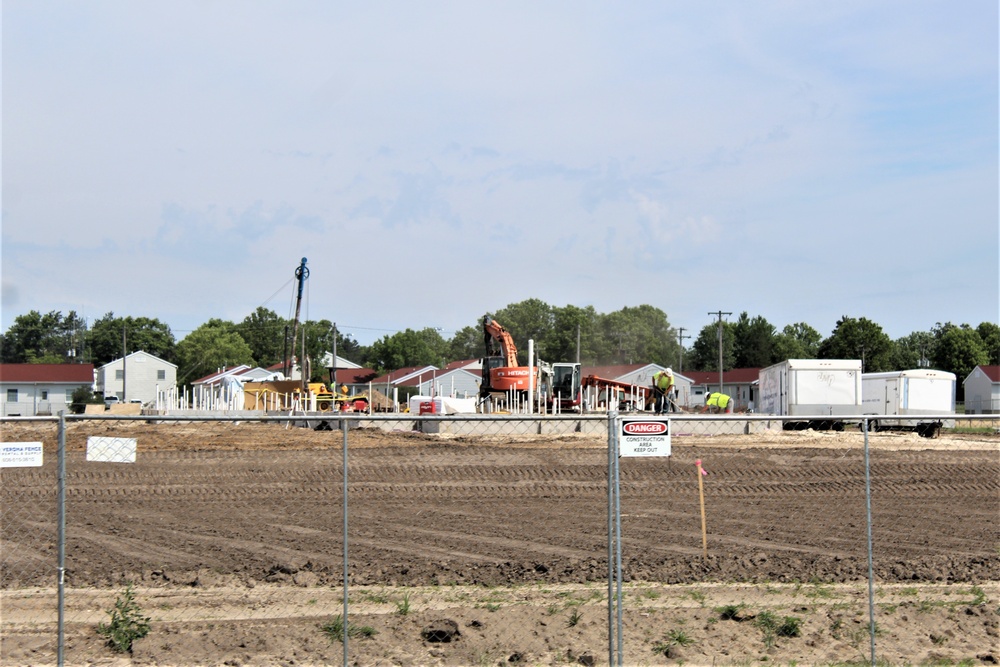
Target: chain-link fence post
column 61, row 540
column 868, row 530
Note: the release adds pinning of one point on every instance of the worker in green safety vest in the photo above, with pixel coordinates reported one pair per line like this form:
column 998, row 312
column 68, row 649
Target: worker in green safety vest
column 718, row 402
column 663, row 389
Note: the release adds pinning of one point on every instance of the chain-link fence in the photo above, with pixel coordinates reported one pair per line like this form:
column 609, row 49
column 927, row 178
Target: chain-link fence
column 490, row 539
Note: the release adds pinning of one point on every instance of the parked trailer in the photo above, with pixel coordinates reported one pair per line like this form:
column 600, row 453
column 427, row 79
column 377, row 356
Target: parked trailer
column 921, row 391
column 812, row 388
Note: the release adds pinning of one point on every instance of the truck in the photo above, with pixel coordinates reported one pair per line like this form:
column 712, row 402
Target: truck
column 909, row 394
column 828, row 391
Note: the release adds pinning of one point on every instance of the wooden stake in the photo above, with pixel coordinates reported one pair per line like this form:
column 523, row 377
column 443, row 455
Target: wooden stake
column 701, row 498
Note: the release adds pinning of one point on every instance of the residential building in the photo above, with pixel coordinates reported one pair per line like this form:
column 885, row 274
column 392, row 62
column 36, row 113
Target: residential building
column 642, row 375
column 740, row 384
column 27, row 390
column 136, row 378
column 982, row 391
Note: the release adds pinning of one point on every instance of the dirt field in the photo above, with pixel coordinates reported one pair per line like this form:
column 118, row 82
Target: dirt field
column 233, row 537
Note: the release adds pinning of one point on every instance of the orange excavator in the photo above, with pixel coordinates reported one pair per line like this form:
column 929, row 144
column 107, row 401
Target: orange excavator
column 558, row 383
column 500, row 370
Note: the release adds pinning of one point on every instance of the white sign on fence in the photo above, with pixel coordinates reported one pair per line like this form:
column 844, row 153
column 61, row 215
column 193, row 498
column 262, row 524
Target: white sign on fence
column 111, row 450
column 20, row 454
column 644, row 437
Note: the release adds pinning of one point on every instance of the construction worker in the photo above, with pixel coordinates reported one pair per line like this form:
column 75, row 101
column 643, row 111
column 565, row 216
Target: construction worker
column 663, row 388
column 718, row 402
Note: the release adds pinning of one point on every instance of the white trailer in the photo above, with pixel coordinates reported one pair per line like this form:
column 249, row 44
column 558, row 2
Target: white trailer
column 826, row 390
column 910, row 393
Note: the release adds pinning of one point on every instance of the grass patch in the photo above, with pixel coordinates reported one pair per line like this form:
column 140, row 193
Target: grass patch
column 673, row 638
column 334, row 629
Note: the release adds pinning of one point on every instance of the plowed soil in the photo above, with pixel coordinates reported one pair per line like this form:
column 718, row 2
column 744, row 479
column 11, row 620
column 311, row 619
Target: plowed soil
column 233, row 537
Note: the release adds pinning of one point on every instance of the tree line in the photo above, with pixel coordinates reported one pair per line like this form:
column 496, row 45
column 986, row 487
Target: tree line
column 640, row 334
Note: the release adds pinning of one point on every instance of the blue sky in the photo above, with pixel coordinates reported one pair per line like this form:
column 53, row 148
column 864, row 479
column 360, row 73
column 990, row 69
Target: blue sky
column 435, row 161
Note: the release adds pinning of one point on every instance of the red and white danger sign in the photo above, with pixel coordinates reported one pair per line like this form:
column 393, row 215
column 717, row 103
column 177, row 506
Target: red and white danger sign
column 644, row 436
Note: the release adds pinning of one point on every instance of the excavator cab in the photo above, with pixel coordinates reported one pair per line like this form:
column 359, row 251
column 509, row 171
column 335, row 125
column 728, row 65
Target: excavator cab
column 565, row 387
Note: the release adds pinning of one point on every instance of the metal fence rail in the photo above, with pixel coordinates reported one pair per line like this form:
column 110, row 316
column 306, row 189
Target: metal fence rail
column 488, row 539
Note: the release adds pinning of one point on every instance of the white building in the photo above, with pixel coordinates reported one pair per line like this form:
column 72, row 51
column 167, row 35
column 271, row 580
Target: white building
column 982, row 391
column 136, row 377
column 27, row 390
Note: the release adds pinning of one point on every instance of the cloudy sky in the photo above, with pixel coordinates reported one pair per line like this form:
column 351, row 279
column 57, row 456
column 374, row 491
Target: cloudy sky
column 435, row 161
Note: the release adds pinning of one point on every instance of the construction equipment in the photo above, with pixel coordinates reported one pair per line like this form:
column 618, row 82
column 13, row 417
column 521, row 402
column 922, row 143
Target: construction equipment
column 500, row 370
column 344, row 402
column 627, row 397
column 561, row 386
column 557, row 385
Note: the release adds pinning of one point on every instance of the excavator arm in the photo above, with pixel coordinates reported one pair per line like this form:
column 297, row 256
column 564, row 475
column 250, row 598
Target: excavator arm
column 499, row 342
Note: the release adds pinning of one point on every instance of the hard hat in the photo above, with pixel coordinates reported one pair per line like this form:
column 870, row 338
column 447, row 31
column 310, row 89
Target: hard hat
column 669, row 372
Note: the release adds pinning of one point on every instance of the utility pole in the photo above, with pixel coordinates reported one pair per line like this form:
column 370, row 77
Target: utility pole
column 680, row 352
column 577, row 342
column 333, row 371
column 124, row 354
column 719, row 314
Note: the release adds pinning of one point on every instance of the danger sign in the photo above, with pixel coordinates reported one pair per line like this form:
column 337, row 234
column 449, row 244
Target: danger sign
column 644, row 437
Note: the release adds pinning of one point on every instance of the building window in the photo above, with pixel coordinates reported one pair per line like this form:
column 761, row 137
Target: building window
column 45, row 394
column 120, row 375
column 12, row 395
column 69, row 395
column 161, row 375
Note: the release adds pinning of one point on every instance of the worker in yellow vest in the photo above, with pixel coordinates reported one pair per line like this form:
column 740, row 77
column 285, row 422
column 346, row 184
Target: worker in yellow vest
column 718, row 402
column 663, row 389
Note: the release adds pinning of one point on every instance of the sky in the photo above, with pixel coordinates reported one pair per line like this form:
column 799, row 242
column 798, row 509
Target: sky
column 436, row 161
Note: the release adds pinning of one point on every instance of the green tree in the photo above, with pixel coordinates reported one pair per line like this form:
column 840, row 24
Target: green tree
column 753, row 342
column 467, row 343
column 212, row 346
column 989, row 332
column 859, row 338
column 531, row 319
column 319, row 343
column 912, row 351
column 408, row 348
column 705, row 350
column 561, row 343
column 35, row 338
column 797, row 341
column 635, row 335
column 140, row 333
column 959, row 349
column 265, row 332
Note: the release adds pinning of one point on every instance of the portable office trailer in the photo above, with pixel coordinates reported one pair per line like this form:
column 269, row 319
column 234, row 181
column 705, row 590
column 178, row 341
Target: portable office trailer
column 812, row 388
column 921, row 391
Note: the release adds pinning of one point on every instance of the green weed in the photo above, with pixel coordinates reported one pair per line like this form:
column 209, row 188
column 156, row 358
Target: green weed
column 127, row 622
column 334, row 629
column 772, row 627
column 730, row 612
column 674, row 638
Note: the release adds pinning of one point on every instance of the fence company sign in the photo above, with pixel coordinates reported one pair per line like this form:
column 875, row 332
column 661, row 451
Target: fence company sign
column 20, row 454
column 644, row 437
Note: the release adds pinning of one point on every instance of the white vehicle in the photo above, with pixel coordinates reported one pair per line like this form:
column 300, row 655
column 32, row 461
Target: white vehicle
column 825, row 390
column 921, row 391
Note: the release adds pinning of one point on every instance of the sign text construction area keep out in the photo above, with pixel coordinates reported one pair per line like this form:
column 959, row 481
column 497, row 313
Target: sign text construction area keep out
column 644, row 437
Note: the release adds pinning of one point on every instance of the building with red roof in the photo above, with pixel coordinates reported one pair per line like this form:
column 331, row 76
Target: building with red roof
column 41, row 389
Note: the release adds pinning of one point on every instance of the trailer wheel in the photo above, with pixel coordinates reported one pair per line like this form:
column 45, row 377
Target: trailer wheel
column 930, row 430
